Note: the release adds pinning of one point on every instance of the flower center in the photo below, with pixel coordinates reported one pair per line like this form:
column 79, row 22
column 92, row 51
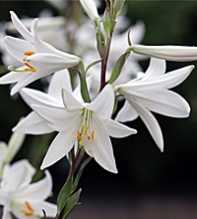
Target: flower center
column 29, row 66
column 28, row 209
column 86, row 132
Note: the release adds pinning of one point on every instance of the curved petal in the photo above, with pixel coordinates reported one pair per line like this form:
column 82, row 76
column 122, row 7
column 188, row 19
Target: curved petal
column 33, row 124
column 151, row 124
column 59, row 81
column 117, row 130
column 32, row 96
column 59, row 148
column 101, row 148
column 103, row 104
column 70, row 102
column 20, row 27
column 168, row 80
column 157, row 67
column 37, row 191
column 12, row 77
column 17, row 47
column 18, row 175
column 127, row 113
column 58, row 117
column 164, row 102
column 30, row 77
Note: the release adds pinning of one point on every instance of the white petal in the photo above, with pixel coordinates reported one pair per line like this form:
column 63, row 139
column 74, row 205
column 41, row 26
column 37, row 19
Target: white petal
column 58, row 117
column 59, row 148
column 103, row 104
column 151, row 124
column 56, row 62
column 126, row 113
column 12, row 77
column 157, row 67
column 49, row 208
column 137, row 32
column 102, row 148
column 17, row 47
column 168, row 80
column 59, row 81
column 171, row 53
column 30, row 77
column 117, row 130
column 90, row 8
column 33, row 124
column 6, row 214
column 164, row 102
column 14, row 145
column 17, row 175
column 32, row 96
column 70, row 102
column 37, row 191
column 20, row 27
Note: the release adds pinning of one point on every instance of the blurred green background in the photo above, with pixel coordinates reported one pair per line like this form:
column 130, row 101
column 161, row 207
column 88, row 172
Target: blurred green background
column 149, row 184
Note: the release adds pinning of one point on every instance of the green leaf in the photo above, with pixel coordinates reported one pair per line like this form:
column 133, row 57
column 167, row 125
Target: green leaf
column 118, row 67
column 66, row 191
column 70, row 204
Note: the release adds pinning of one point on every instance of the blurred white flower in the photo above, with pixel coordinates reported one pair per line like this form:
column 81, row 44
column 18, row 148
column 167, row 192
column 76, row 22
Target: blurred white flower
column 39, row 58
column 8, row 151
column 86, row 125
column 150, row 92
column 33, row 123
column 90, row 8
column 22, row 199
column 59, row 4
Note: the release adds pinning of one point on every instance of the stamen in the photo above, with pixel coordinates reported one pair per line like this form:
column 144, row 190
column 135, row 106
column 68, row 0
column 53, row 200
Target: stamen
column 28, row 209
column 29, row 53
column 86, row 131
column 30, row 67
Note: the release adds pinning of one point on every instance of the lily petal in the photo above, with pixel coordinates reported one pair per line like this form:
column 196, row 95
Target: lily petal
column 6, row 214
column 12, row 77
column 18, row 175
column 103, row 104
column 37, row 191
column 70, row 102
column 20, row 27
column 170, row 53
column 17, row 47
column 164, row 102
column 151, row 124
column 32, row 96
column 102, row 148
column 117, row 130
column 59, row 81
column 127, row 113
column 157, row 67
column 59, row 148
column 33, row 124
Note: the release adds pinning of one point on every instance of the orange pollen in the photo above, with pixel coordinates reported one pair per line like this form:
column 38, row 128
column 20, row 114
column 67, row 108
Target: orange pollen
column 28, row 209
column 28, row 53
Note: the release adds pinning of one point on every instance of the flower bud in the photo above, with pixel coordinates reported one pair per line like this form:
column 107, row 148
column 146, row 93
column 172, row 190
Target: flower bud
column 90, row 8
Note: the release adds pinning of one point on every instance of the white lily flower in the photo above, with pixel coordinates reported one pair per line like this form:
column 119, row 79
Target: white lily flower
column 39, row 59
column 86, row 125
column 22, row 199
column 33, row 123
column 150, row 92
column 170, row 53
column 90, row 8
column 8, row 151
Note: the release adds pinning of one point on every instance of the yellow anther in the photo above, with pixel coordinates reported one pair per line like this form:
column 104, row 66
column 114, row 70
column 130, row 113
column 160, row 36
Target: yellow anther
column 30, row 67
column 28, row 209
column 93, row 135
column 29, row 53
